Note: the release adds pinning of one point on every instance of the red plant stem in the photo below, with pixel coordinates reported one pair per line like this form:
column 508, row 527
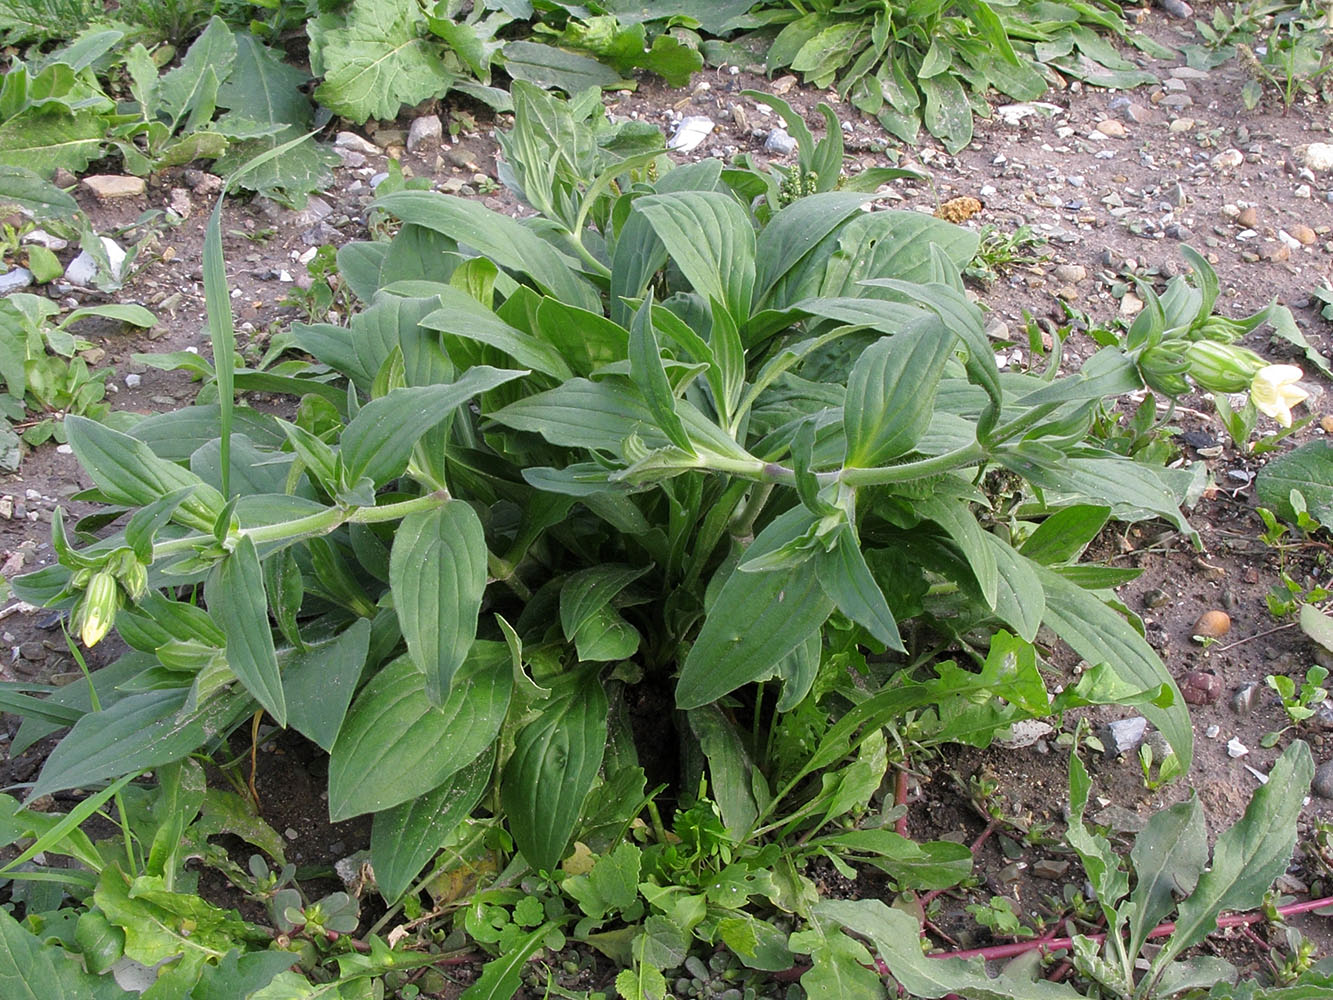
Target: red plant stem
column 900, row 799
column 976, row 846
column 1000, row 951
column 1048, row 943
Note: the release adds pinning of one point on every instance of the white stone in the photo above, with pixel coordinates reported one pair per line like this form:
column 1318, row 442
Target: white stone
column 1235, row 748
column 690, row 133
column 425, row 130
column 350, row 140
column 1319, row 156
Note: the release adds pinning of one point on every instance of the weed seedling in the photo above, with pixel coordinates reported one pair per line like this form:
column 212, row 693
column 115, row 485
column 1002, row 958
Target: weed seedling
column 1299, row 703
column 999, row 252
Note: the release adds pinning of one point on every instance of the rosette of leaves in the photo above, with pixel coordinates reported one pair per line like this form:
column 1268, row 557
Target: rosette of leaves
column 641, row 447
column 935, row 63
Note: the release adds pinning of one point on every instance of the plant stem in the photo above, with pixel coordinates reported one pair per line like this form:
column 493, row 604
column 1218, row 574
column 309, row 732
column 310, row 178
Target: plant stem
column 313, row 525
column 1002, row 951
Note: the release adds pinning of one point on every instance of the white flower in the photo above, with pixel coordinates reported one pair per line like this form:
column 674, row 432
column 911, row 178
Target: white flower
column 1275, row 392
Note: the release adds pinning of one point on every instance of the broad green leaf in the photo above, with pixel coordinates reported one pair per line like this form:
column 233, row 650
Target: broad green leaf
column 31, row 969
column 127, row 472
column 1133, row 489
column 1020, row 601
column 1167, row 856
column 1248, row 856
column 360, row 349
column 711, row 240
column 192, row 86
column 848, row 582
column 462, row 315
column 239, row 974
column 395, row 745
column 586, row 592
column 796, row 230
column 735, row 779
column 1309, row 471
column 379, row 440
column 839, row 965
column 138, row 732
column 239, row 604
column 505, row 241
column 405, row 837
column 43, row 141
column 937, row 864
column 645, row 366
column 891, row 393
column 756, row 620
column 1100, row 635
column 22, row 189
column 555, row 762
column 437, row 571
column 264, row 89
column 953, row 515
column 319, row 681
column 1063, row 536
column 375, row 60
column 611, row 886
column 549, row 67
column 896, row 936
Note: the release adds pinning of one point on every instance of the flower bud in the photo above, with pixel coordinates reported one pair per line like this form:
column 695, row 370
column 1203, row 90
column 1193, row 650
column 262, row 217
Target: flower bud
column 1162, row 368
column 98, row 608
column 1222, row 367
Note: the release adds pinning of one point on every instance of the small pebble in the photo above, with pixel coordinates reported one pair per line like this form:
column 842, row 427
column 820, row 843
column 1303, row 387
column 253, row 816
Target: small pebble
column 1201, row 687
column 1212, row 731
column 1323, row 780
column 1212, row 625
column 1235, row 748
column 1125, row 735
column 779, row 143
column 1228, row 159
column 1245, row 698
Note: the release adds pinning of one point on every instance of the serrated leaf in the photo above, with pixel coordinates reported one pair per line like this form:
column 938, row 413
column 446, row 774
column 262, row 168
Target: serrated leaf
column 437, row 571
column 555, row 762
column 376, row 60
column 43, row 141
column 266, row 90
column 1248, row 856
column 396, row 745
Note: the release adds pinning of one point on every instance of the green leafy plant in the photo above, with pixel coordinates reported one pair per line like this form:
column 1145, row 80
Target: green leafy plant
column 655, row 441
column 1300, row 703
column 1292, row 59
column 44, row 374
column 999, row 252
column 933, row 63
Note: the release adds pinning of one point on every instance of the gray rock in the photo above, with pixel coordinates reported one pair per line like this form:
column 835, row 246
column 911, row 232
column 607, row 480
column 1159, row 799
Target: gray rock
column 350, row 140
column 1178, row 9
column 426, row 130
column 779, row 143
column 1069, row 274
column 83, row 271
column 107, row 187
column 1049, row 869
column 1245, row 698
column 14, row 279
column 1124, row 735
column 1323, row 780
